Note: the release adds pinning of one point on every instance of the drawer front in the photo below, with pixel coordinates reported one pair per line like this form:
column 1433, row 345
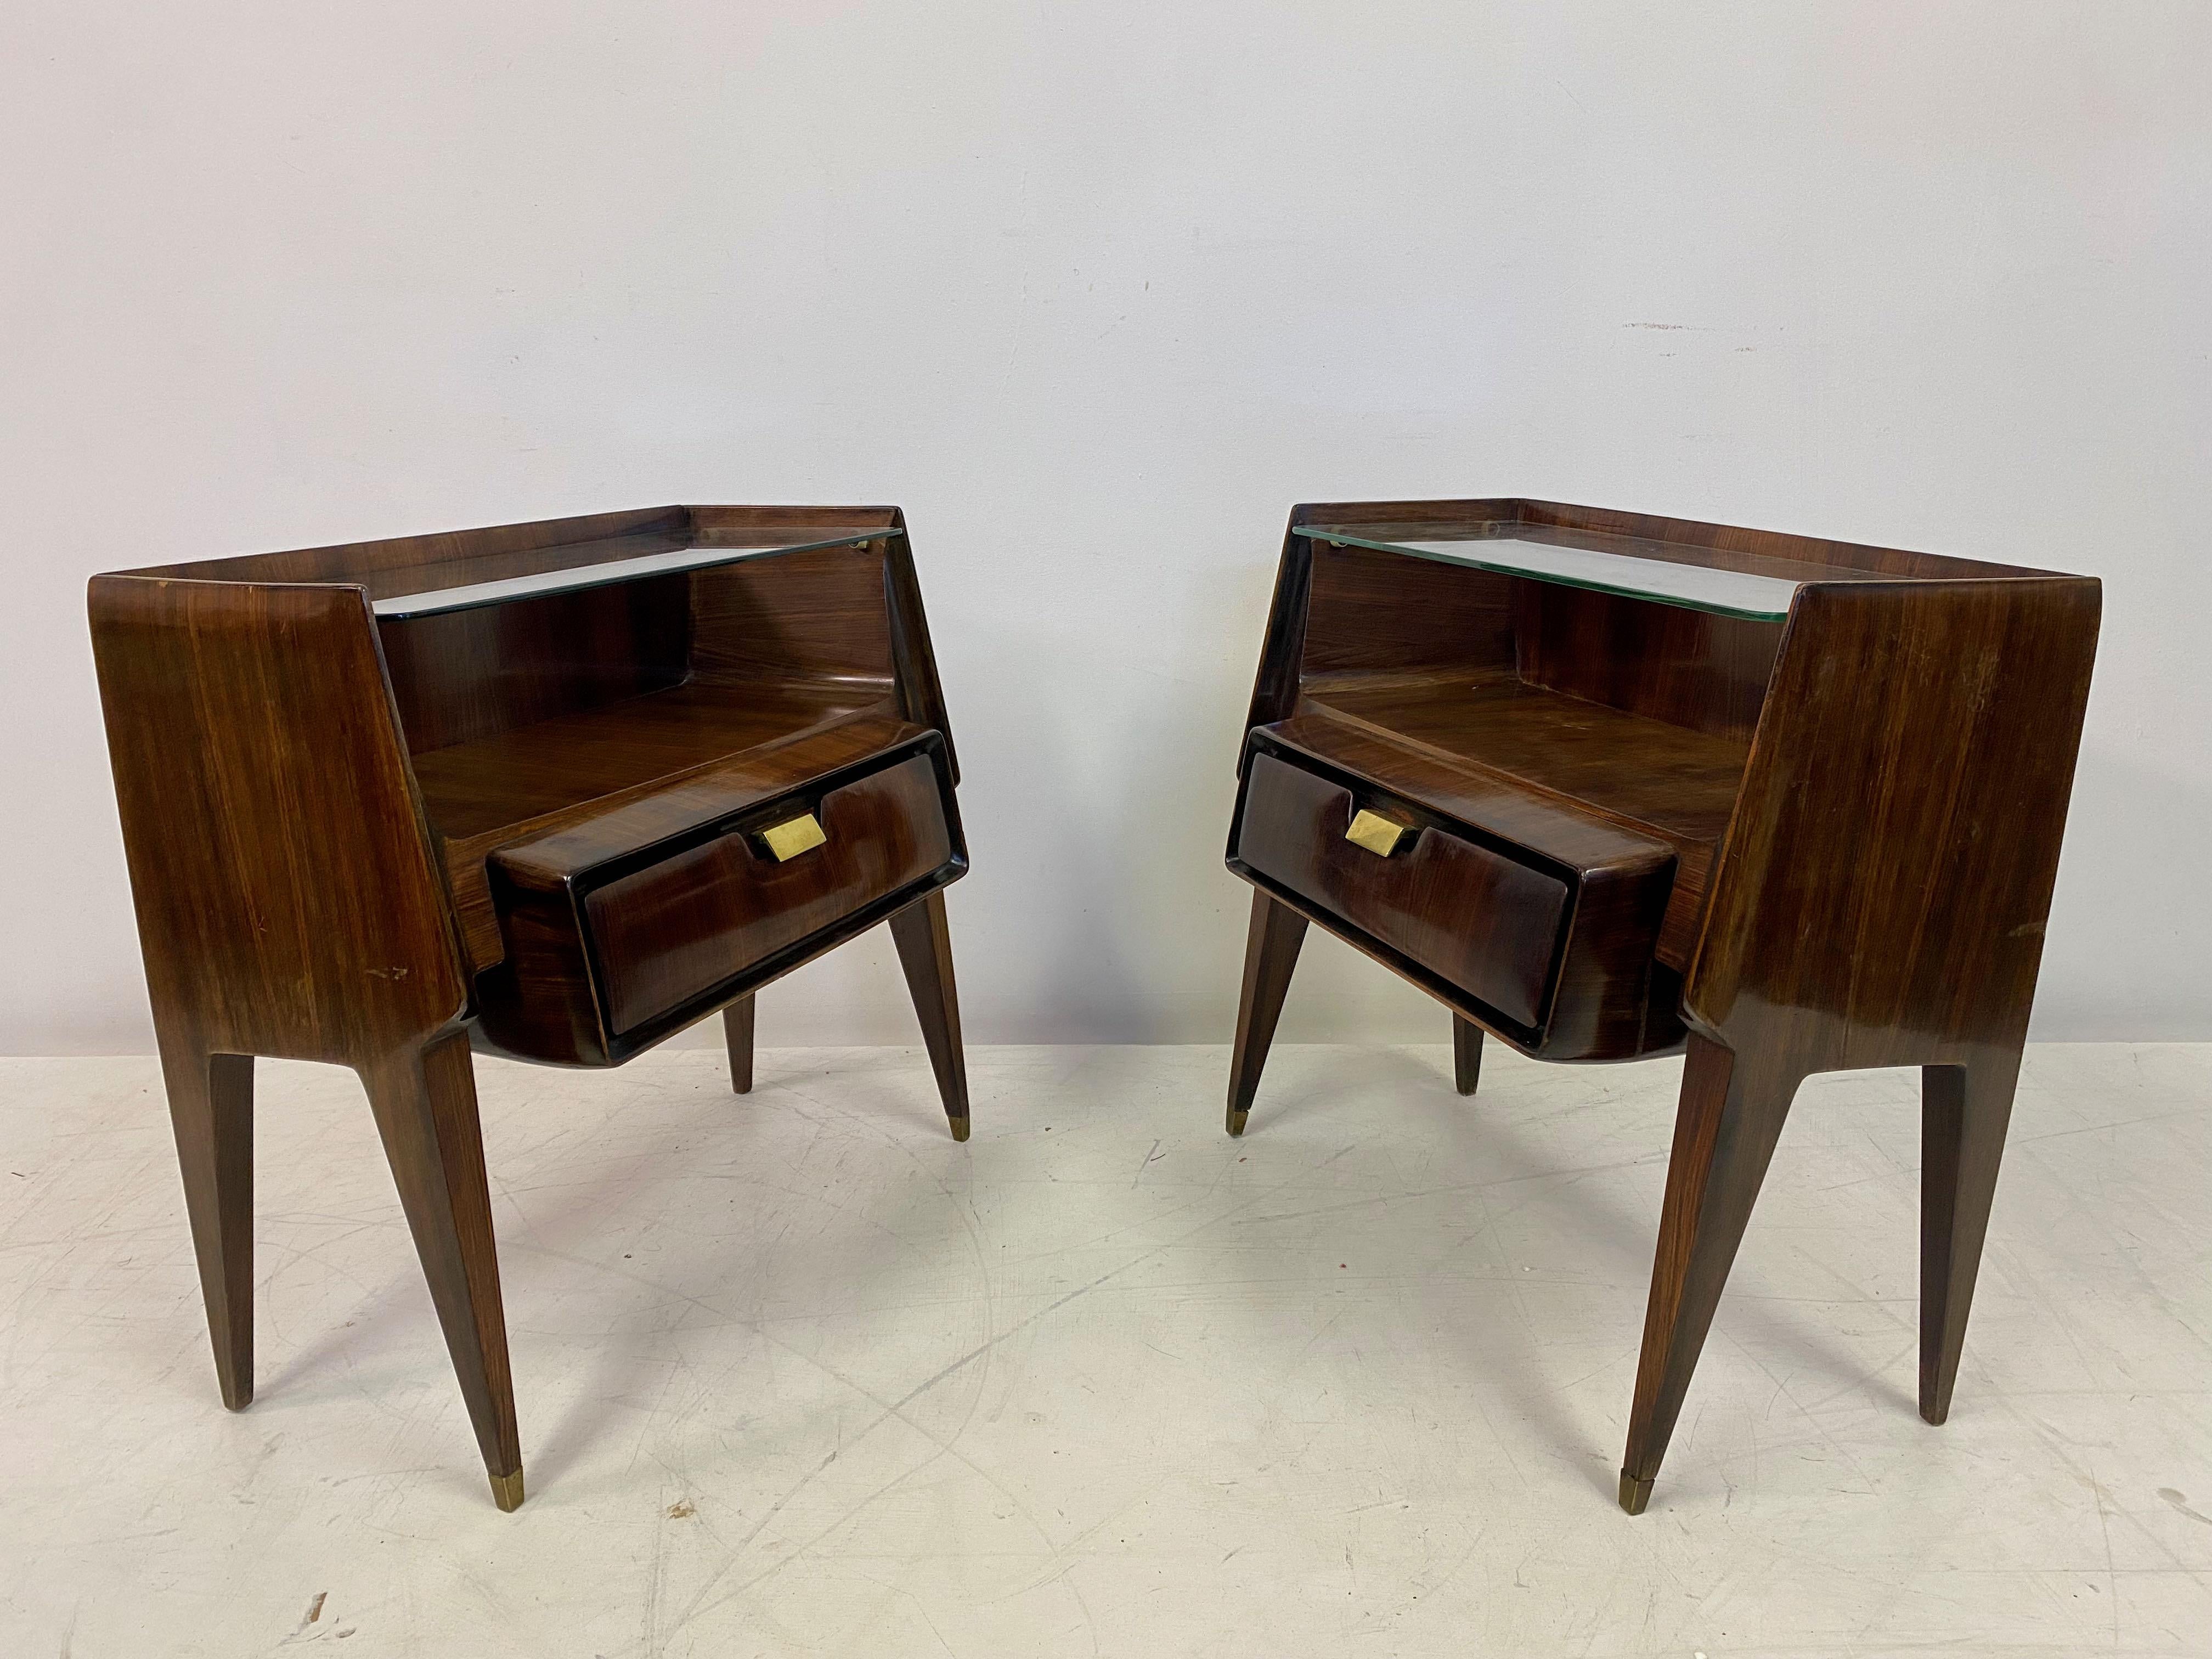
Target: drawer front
column 1470, row 915
column 666, row 933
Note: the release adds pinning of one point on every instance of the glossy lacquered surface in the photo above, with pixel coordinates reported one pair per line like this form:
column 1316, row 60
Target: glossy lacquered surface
column 328, row 760
column 1798, row 838
column 1593, row 984
column 618, row 926
column 1474, row 916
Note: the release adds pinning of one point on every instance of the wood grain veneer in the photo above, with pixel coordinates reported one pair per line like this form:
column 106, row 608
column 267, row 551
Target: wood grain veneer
column 1853, row 821
column 313, row 798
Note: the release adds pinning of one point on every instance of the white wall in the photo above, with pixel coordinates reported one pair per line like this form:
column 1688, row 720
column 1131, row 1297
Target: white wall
column 1096, row 291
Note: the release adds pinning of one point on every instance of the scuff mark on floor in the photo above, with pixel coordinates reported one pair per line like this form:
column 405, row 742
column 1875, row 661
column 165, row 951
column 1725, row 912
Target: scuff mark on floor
column 2178, row 1501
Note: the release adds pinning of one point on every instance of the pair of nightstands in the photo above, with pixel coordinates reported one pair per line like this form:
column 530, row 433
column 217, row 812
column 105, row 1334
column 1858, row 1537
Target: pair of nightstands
column 1608, row 787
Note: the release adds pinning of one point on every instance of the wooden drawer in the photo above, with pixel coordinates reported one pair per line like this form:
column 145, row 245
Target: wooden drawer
column 1492, row 924
column 618, row 931
column 679, row 927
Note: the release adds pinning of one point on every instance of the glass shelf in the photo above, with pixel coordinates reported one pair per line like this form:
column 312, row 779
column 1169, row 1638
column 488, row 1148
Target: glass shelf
column 1690, row 586
column 437, row 600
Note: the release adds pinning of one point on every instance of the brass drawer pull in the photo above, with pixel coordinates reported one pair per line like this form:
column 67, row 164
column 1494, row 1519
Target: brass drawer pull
column 791, row 838
column 1375, row 832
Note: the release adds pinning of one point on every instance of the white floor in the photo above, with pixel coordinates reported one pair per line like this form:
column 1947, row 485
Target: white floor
column 798, row 1375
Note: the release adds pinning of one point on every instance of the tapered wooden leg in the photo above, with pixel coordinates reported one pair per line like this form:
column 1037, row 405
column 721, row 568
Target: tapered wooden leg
column 738, row 1031
column 211, row 1113
column 1271, row 952
column 1964, row 1112
column 1731, row 1115
column 1466, row 1055
column 426, row 1108
column 925, row 948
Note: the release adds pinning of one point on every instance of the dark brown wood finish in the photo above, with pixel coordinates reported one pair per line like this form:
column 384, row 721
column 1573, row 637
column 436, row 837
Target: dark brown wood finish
column 1592, row 990
column 738, row 1037
column 925, row 948
column 623, row 925
column 655, row 751
column 1271, row 952
column 1467, row 914
column 212, row 1115
column 1964, row 1112
column 256, row 751
column 425, row 1103
column 1725, row 1129
column 468, row 677
column 1687, row 669
column 674, row 929
column 1854, row 819
column 1466, row 1055
column 314, row 798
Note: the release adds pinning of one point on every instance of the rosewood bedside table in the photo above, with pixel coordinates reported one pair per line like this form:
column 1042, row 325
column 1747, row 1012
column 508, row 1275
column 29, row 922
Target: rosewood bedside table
column 1612, row 787
column 553, row 790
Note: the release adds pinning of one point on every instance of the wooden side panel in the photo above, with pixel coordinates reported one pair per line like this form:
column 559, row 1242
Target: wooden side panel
column 1880, row 896
column 288, row 902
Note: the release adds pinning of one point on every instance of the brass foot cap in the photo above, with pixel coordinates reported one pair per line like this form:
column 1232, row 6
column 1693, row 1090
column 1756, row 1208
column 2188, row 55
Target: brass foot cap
column 1634, row 1493
column 507, row 1491
column 1237, row 1122
column 959, row 1128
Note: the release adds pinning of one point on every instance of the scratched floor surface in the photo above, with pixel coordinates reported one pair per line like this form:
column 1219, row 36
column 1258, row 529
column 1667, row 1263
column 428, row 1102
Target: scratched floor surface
column 800, row 1376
